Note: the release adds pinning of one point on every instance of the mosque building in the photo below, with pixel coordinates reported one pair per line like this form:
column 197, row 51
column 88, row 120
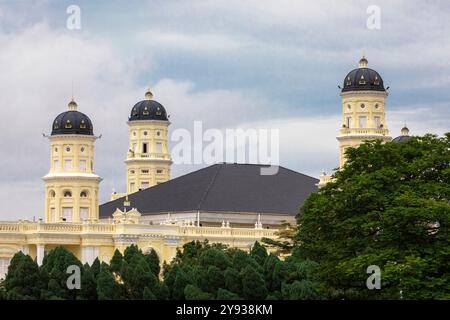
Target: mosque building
column 229, row 203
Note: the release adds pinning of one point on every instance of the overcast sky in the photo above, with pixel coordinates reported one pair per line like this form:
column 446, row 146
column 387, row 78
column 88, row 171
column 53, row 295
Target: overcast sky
column 231, row 64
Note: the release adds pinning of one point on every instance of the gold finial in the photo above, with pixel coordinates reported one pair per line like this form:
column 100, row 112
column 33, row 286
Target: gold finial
column 363, row 61
column 72, row 105
column 405, row 130
column 149, row 94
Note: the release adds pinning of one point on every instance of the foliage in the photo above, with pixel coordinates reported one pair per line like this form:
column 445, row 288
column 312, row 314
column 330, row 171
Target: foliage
column 388, row 206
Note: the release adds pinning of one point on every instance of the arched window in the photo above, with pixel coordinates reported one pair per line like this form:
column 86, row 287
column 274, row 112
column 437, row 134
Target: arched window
column 83, row 124
column 68, row 125
column 52, row 194
column 67, row 194
column 84, row 194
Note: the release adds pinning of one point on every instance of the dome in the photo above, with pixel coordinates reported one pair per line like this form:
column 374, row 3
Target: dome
column 404, row 137
column 148, row 109
column 72, row 122
column 363, row 79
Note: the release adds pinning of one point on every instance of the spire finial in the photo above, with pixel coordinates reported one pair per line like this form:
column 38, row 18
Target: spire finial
column 363, row 61
column 149, row 94
column 72, row 105
column 405, row 130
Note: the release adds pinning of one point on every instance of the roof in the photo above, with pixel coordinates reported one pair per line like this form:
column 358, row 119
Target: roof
column 223, row 188
column 363, row 79
column 148, row 110
column 72, row 122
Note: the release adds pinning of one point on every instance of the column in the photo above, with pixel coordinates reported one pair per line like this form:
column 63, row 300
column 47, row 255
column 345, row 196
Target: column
column 40, row 252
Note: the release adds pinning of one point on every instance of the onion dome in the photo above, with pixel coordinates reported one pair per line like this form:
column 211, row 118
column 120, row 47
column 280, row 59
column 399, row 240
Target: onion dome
column 72, row 122
column 404, row 137
column 148, row 109
column 363, row 79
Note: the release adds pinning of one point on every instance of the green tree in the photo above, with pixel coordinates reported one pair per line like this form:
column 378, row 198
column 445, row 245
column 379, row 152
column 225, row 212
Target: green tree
column 54, row 273
column 192, row 292
column 116, row 261
column 388, row 206
column 107, row 286
column 253, row 284
column 259, row 253
column 153, row 262
column 88, row 283
column 23, row 280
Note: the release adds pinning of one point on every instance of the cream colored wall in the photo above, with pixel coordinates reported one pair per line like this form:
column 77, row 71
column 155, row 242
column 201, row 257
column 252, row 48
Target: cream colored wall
column 352, row 106
column 75, row 179
column 146, row 131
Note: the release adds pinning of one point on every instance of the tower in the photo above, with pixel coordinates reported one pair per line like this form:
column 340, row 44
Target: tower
column 363, row 109
column 148, row 159
column 71, row 186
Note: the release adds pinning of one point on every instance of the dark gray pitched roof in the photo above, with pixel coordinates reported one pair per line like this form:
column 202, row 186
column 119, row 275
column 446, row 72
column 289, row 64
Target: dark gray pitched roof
column 223, row 188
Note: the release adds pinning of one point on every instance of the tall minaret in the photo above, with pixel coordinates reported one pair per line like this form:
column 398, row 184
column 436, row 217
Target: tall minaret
column 363, row 109
column 71, row 186
column 148, row 159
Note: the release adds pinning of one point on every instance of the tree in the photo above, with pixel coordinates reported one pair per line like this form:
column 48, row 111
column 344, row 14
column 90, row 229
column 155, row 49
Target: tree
column 22, row 281
column 107, row 287
column 192, row 292
column 259, row 253
column 253, row 284
column 389, row 207
column 116, row 261
column 285, row 240
column 153, row 262
column 54, row 274
column 89, row 282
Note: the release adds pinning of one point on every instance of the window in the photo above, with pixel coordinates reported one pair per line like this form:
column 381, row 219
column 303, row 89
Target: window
column 363, row 105
column 145, row 171
column 84, row 214
column 145, row 185
column 158, row 111
column 349, row 122
column 67, row 164
column 83, row 194
column 349, row 107
column 158, row 147
column 134, row 147
column 146, row 112
column 159, row 171
column 376, row 106
column 362, row 122
column 68, row 149
column 144, row 147
column 67, row 214
column 53, row 215
column 377, row 121
column 82, row 165
column 55, row 165
column 83, row 124
column 132, row 187
column 348, row 82
column 145, row 133
column 82, row 149
column 158, row 133
column 52, row 194
column 132, row 171
column 362, row 80
column 56, row 149
column 67, row 194
column 68, row 125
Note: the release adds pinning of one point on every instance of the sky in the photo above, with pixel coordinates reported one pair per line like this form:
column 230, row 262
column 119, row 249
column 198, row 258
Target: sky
column 230, row 64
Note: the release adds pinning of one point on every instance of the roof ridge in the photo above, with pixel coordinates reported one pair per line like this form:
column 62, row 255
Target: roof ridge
column 205, row 194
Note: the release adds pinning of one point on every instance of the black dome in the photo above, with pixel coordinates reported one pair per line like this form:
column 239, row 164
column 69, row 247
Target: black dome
column 401, row 138
column 404, row 137
column 72, row 122
column 148, row 110
column 363, row 79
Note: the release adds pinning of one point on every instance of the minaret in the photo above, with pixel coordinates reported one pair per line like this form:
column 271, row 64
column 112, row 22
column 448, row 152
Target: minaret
column 71, row 186
column 148, row 159
column 363, row 109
